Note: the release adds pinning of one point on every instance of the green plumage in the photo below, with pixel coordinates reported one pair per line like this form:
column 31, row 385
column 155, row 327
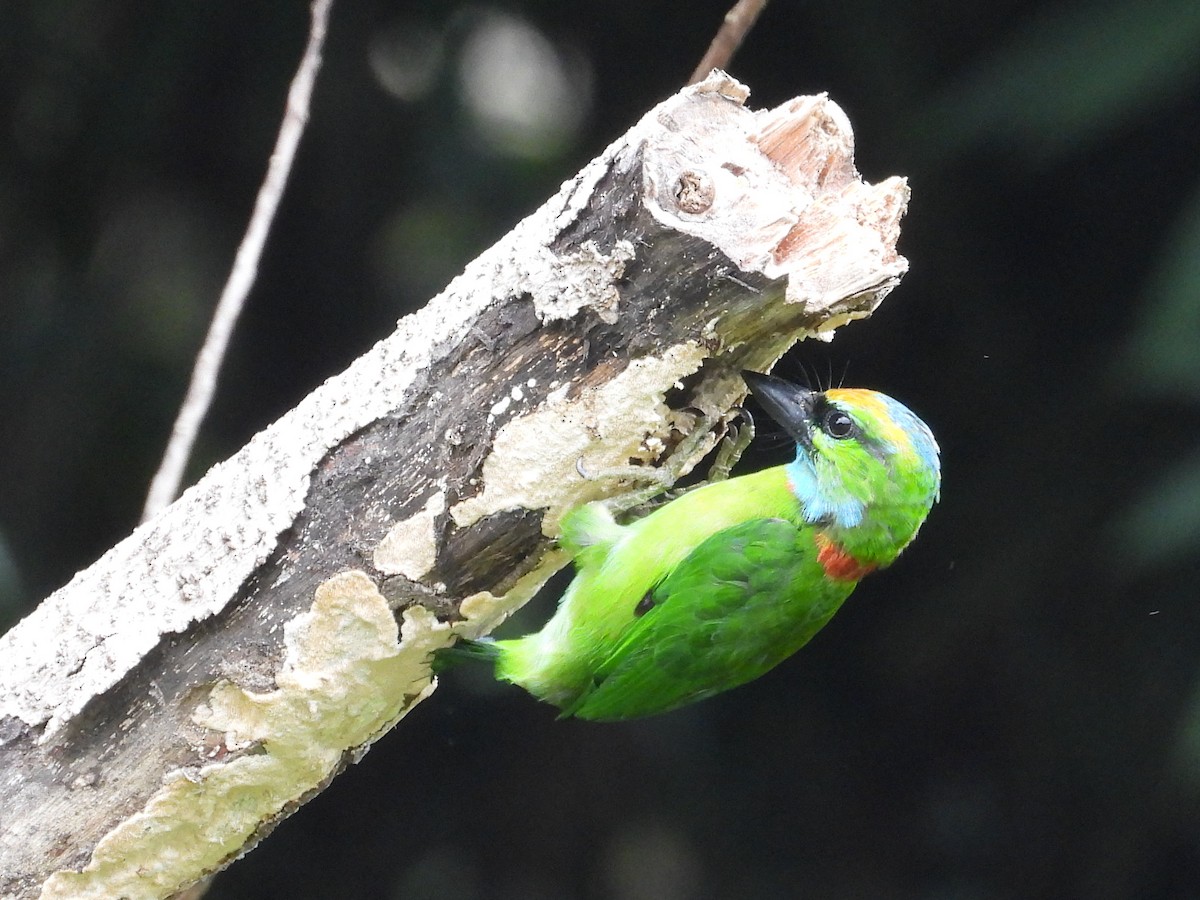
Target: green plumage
column 725, row 582
column 738, row 605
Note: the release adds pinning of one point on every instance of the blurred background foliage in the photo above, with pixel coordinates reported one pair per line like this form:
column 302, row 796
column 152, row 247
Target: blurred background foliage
column 1012, row 711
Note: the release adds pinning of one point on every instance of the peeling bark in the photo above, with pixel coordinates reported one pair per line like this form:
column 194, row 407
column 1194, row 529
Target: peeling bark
column 260, row 633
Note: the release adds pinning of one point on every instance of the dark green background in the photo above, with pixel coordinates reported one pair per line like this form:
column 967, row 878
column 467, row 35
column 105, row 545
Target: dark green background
column 1012, row 711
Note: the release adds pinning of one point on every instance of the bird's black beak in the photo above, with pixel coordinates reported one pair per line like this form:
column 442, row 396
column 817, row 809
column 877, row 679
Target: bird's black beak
column 788, row 404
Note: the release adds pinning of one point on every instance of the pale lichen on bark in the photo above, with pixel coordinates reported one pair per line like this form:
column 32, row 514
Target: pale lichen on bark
column 410, row 547
column 348, row 675
column 536, row 457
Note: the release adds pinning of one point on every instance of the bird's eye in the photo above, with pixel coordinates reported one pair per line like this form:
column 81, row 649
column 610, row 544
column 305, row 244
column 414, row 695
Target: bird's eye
column 838, row 425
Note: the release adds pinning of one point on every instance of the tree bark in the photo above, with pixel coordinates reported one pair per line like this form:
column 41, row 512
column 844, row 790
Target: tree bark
column 165, row 709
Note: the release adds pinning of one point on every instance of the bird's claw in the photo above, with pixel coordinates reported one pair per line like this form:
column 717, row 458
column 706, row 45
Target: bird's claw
column 660, row 479
column 733, row 445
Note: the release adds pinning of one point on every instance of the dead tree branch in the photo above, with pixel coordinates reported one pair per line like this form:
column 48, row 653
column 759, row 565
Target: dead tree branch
column 223, row 663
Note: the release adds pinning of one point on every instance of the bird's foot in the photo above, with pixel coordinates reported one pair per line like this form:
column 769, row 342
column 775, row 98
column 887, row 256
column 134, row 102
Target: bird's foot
column 660, row 480
column 657, row 480
column 733, row 445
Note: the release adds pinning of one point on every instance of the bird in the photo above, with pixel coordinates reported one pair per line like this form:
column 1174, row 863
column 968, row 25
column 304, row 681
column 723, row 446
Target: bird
column 721, row 584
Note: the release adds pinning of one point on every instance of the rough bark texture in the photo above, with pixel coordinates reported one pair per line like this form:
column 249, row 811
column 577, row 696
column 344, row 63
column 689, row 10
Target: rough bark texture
column 160, row 713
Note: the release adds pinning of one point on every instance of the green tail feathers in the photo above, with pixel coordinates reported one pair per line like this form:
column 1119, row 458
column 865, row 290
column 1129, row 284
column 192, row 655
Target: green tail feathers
column 465, row 650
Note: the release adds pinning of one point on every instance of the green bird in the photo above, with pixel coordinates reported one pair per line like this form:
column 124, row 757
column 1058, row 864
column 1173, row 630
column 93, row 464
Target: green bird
column 725, row 582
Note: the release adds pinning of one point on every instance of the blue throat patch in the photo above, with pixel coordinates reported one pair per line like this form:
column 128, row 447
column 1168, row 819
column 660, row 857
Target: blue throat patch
column 836, row 506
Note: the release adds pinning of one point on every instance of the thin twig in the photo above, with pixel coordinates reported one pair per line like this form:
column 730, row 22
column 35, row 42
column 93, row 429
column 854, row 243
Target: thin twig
column 165, row 485
column 738, row 22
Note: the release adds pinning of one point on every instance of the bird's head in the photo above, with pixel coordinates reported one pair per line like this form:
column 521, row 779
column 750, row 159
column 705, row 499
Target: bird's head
column 864, row 462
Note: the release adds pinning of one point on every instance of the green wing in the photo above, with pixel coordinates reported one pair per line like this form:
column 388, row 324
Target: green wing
column 739, row 604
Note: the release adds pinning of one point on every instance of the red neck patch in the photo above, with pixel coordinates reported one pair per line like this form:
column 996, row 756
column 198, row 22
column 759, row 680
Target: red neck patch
column 837, row 563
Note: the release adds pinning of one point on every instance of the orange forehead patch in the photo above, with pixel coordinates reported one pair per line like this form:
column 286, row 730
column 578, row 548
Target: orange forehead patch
column 872, row 403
